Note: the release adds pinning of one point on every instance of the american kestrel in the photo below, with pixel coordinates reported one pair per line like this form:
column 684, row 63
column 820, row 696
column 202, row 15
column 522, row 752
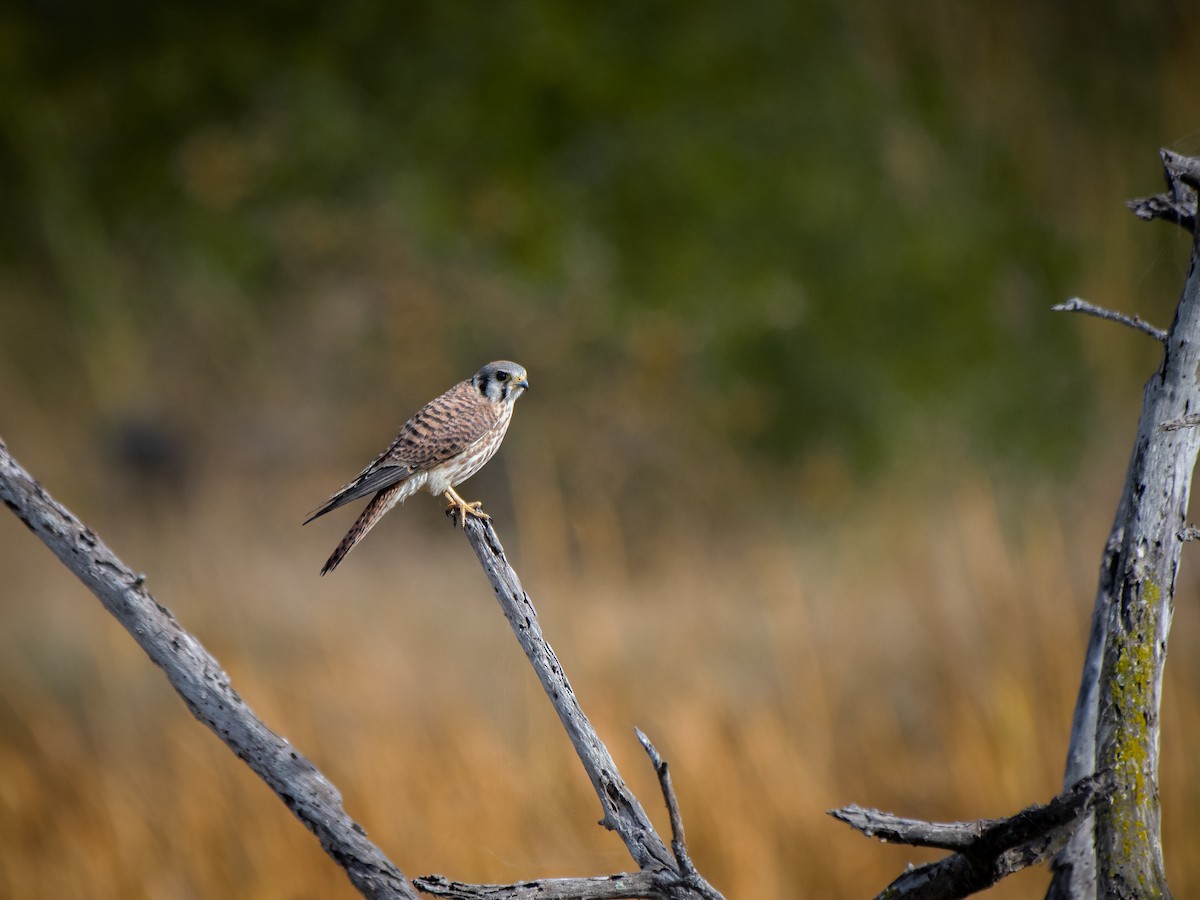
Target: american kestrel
column 444, row 444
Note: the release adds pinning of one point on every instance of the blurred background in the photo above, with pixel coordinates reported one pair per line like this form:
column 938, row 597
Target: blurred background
column 811, row 485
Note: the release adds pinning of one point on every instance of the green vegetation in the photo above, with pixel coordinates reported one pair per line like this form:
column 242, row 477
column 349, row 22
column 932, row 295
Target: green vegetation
column 817, row 231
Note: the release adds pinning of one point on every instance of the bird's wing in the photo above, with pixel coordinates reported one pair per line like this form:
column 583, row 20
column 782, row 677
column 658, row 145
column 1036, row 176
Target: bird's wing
column 375, row 477
column 443, row 428
column 440, row 430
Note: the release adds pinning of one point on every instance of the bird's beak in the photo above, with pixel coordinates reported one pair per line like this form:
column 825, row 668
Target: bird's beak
column 523, row 384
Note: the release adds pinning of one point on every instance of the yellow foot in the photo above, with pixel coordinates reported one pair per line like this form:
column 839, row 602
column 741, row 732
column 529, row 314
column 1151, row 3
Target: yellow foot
column 459, row 509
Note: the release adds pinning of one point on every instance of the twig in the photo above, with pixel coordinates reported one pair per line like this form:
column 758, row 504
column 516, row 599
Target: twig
column 202, row 684
column 678, row 843
column 1075, row 304
column 1180, row 170
column 988, row 849
column 690, row 876
column 893, row 829
column 622, row 811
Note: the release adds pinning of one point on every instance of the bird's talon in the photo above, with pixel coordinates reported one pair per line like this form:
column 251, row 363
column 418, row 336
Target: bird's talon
column 459, row 509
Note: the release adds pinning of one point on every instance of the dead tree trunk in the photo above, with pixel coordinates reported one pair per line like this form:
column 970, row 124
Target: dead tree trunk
column 1116, row 725
column 1111, row 781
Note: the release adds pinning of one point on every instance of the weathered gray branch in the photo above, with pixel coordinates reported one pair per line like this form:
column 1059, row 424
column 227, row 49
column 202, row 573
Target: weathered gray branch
column 671, row 877
column 1076, row 304
column 601, row 887
column 1116, row 722
column 678, row 842
column 987, row 850
column 202, row 684
column 1178, row 204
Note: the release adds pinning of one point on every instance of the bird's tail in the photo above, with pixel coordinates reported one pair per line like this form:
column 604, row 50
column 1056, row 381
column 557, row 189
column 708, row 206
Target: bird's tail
column 380, row 503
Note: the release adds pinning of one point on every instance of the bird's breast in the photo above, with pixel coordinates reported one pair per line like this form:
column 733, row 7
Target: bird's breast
column 463, row 465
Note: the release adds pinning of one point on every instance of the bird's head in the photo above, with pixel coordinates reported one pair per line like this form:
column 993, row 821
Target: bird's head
column 501, row 381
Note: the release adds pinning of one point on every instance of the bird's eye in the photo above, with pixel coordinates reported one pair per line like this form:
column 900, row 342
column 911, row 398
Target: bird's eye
column 502, row 376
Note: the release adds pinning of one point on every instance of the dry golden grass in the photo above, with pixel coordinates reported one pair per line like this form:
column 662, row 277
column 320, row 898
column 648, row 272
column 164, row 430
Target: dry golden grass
column 918, row 656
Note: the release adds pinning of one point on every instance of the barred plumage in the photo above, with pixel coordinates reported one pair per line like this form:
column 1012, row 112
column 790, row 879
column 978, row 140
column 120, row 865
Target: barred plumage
column 445, row 443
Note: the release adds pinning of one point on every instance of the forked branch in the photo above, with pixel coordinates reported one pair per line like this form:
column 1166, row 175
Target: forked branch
column 205, row 688
column 663, row 874
column 985, row 850
column 1178, row 203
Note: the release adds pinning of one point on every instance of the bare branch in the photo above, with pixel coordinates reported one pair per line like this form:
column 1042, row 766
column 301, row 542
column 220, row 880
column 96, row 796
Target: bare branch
column 662, row 883
column 1180, row 170
column 678, row 843
column 893, row 829
column 622, row 811
column 601, row 887
column 988, row 849
column 1076, row 304
column 690, row 876
column 202, row 684
column 1178, row 204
